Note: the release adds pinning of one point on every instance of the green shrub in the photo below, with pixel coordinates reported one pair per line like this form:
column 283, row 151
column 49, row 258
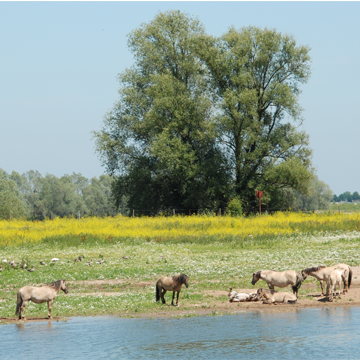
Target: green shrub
column 234, row 207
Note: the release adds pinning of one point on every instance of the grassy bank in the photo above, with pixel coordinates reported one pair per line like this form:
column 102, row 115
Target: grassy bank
column 213, row 263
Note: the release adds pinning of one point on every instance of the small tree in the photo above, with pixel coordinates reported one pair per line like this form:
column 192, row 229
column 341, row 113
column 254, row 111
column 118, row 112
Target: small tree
column 234, row 207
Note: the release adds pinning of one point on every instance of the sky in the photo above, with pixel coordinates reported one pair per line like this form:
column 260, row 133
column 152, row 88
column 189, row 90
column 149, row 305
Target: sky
column 59, row 63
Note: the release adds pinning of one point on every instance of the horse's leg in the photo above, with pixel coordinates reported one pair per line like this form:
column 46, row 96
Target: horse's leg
column 346, row 285
column 172, row 301
column 22, row 310
column 49, row 307
column 339, row 283
column 177, row 299
column 322, row 289
column 162, row 296
column 327, row 287
column 331, row 292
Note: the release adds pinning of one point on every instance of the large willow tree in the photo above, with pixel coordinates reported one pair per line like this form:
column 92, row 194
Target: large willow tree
column 256, row 76
column 159, row 139
column 201, row 119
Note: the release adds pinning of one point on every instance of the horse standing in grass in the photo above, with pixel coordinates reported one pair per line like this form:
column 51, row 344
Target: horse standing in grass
column 39, row 295
column 166, row 283
column 279, row 279
column 321, row 273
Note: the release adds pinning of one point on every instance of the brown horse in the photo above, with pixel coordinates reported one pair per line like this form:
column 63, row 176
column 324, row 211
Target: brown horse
column 39, row 295
column 166, row 283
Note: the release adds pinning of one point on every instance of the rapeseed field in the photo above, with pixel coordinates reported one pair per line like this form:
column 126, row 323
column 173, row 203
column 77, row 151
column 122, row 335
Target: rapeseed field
column 175, row 228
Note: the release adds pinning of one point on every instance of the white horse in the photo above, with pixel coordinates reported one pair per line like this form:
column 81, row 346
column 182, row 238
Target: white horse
column 333, row 280
column 274, row 297
column 39, row 295
column 238, row 297
column 279, row 279
column 321, row 273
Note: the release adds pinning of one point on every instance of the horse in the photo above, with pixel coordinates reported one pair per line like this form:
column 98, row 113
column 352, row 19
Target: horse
column 334, row 279
column 279, row 279
column 166, row 283
column 39, row 295
column 238, row 297
column 321, row 273
column 274, row 297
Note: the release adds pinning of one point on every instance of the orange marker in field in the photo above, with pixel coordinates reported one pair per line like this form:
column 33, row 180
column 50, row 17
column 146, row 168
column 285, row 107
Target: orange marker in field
column 259, row 195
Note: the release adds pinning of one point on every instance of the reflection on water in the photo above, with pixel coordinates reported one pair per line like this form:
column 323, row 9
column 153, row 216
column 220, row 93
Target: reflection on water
column 306, row 333
column 21, row 326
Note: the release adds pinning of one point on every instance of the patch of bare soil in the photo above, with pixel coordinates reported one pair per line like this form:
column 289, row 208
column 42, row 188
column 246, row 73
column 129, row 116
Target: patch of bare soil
column 29, row 319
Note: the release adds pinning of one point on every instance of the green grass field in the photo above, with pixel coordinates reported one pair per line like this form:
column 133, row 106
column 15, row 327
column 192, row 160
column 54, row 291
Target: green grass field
column 353, row 207
column 210, row 266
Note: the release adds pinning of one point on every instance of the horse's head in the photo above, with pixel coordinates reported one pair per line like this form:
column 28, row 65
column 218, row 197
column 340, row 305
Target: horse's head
column 184, row 279
column 260, row 293
column 63, row 287
column 304, row 274
column 256, row 277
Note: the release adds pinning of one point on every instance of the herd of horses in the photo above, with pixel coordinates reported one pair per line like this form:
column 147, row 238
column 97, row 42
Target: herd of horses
column 333, row 276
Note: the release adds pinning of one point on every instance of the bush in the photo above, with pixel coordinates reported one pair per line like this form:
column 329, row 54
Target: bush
column 234, row 207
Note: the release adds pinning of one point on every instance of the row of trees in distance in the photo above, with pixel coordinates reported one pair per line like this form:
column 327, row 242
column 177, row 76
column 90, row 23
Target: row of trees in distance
column 347, row 196
column 34, row 196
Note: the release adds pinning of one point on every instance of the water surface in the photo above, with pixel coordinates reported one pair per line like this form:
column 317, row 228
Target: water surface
column 303, row 334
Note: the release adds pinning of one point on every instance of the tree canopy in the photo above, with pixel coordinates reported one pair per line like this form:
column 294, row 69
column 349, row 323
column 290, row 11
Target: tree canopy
column 347, row 196
column 38, row 197
column 12, row 204
column 202, row 119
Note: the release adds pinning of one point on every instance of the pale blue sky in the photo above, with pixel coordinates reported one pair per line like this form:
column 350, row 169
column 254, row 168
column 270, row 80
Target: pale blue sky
column 59, row 62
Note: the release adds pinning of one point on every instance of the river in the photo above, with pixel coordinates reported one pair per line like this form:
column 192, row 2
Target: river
column 325, row 333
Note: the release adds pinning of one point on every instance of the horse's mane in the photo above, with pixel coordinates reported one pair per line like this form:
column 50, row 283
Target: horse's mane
column 313, row 269
column 56, row 285
column 181, row 278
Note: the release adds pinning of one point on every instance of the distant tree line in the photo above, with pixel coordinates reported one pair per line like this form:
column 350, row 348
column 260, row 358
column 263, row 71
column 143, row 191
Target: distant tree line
column 347, row 196
column 34, row 196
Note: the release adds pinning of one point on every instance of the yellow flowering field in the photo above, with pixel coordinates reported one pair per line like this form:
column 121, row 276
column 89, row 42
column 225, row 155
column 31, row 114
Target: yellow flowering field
column 161, row 228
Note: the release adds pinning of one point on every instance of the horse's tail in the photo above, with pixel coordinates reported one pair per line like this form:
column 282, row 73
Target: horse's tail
column 157, row 293
column 299, row 280
column 19, row 304
column 350, row 277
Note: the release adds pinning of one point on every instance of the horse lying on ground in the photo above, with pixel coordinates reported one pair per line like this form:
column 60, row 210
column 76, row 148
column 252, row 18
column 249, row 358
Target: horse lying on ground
column 279, row 279
column 166, row 283
column 238, row 297
column 321, row 273
column 274, row 297
column 39, row 295
column 334, row 279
